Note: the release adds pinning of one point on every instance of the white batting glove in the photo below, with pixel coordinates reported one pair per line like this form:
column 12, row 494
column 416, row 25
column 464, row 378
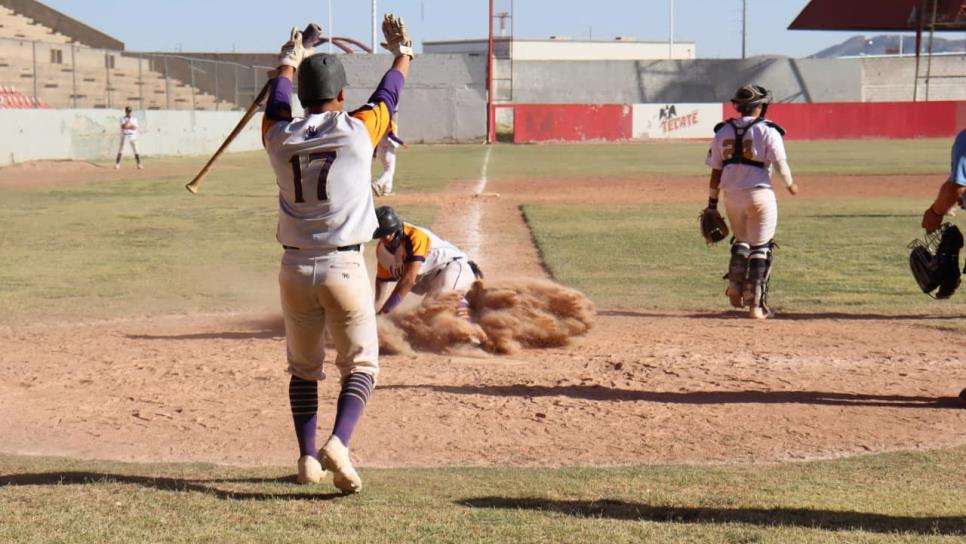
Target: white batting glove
column 397, row 39
column 293, row 52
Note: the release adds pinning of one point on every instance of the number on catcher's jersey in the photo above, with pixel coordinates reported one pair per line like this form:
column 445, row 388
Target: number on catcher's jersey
column 728, row 149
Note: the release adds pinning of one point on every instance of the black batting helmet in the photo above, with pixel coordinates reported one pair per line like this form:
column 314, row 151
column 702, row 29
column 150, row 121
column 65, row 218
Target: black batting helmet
column 389, row 222
column 321, row 77
column 749, row 97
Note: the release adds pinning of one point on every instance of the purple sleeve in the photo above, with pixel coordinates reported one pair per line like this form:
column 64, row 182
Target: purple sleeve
column 388, row 90
column 279, row 107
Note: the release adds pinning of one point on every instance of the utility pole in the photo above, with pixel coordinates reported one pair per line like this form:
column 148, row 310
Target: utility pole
column 330, row 27
column 744, row 29
column 670, row 30
column 375, row 12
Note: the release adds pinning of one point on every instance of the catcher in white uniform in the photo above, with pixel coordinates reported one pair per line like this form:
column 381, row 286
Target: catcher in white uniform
column 418, row 261
column 741, row 158
column 129, row 136
column 322, row 166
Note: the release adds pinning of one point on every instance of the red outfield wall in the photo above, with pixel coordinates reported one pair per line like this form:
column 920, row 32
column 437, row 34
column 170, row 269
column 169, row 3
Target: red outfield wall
column 571, row 122
column 889, row 120
column 822, row 121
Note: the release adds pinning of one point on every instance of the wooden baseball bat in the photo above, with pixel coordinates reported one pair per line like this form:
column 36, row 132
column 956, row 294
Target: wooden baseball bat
column 311, row 37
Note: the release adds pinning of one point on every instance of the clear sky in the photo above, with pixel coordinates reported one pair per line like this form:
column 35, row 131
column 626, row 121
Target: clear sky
column 250, row 25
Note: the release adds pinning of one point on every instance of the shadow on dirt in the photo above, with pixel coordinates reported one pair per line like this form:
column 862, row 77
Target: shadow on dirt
column 167, row 484
column 600, row 393
column 782, row 315
column 830, row 520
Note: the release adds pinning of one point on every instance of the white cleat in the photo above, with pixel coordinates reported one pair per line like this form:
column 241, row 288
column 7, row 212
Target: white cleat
column 140, row 167
column 334, row 456
column 310, row 470
column 757, row 312
column 117, row 166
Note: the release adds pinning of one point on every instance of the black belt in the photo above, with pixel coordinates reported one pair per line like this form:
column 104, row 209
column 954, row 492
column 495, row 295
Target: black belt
column 353, row 247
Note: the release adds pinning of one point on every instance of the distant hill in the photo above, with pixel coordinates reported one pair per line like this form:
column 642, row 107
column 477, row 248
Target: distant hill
column 888, row 44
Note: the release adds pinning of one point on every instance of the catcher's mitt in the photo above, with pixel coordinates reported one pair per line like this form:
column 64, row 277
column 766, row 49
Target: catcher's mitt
column 713, row 226
column 934, row 261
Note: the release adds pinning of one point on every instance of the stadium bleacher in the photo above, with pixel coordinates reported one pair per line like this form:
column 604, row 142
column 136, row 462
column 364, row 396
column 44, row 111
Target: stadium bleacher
column 46, row 68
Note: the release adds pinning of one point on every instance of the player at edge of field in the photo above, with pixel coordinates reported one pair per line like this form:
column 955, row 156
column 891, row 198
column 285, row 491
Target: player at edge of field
column 951, row 192
column 323, row 169
column 129, row 136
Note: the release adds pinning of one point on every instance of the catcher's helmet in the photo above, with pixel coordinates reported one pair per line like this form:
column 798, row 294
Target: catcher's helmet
column 749, row 97
column 321, row 77
column 389, row 222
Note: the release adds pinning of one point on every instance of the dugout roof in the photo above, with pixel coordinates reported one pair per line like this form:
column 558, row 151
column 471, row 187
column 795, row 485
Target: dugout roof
column 881, row 15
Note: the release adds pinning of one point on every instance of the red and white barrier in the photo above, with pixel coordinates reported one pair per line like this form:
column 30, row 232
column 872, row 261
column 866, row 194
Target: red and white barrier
column 814, row 121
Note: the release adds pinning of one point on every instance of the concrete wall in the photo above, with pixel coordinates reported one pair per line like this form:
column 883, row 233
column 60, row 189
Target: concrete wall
column 891, row 78
column 444, row 99
column 873, row 79
column 793, row 80
column 94, row 134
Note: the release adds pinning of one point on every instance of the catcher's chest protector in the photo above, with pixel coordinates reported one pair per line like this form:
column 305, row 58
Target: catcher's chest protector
column 738, row 157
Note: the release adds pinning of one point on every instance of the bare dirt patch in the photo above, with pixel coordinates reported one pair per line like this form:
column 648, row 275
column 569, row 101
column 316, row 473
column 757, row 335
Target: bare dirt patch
column 641, row 387
column 46, row 174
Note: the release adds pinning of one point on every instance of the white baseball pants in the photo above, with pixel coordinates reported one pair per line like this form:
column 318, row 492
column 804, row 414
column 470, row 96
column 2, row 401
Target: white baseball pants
column 386, row 152
column 131, row 139
column 331, row 288
column 455, row 276
column 753, row 214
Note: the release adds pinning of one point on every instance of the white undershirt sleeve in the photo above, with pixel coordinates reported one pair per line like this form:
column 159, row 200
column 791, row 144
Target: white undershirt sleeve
column 785, row 172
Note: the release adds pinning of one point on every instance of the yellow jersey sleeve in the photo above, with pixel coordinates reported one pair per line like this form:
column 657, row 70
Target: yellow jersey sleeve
column 376, row 118
column 382, row 274
column 417, row 244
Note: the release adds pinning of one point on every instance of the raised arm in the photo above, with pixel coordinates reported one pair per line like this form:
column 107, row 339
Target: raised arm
column 381, row 107
column 279, row 106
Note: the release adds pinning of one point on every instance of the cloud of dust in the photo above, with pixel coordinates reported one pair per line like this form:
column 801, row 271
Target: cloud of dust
column 392, row 339
column 510, row 315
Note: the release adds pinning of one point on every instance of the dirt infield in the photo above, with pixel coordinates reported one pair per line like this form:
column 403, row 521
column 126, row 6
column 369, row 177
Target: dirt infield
column 641, row 387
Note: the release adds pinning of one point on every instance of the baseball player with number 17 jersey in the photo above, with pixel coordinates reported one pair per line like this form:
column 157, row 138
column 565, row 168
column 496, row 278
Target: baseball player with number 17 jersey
column 741, row 157
column 322, row 165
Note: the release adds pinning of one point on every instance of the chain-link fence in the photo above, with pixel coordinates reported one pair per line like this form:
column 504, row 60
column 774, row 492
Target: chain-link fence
column 40, row 74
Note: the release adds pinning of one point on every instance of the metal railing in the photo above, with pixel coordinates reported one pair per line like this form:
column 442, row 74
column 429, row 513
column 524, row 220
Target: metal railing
column 75, row 76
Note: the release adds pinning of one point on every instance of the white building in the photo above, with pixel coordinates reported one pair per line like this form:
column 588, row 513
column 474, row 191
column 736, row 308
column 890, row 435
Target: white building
column 563, row 48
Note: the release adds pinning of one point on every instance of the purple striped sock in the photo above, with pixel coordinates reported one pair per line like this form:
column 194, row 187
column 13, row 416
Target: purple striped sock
column 356, row 389
column 303, row 395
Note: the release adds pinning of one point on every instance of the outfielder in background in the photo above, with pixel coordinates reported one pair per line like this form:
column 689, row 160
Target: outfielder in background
column 386, row 153
column 741, row 158
column 323, row 168
column 129, row 136
column 413, row 259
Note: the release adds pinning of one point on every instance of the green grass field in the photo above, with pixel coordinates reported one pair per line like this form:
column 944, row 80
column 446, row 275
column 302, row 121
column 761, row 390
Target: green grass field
column 114, row 249
column 844, row 256
column 895, row 498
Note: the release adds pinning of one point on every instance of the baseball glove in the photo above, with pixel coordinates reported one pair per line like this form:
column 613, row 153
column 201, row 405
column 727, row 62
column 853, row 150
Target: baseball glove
column 934, row 261
column 713, row 226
